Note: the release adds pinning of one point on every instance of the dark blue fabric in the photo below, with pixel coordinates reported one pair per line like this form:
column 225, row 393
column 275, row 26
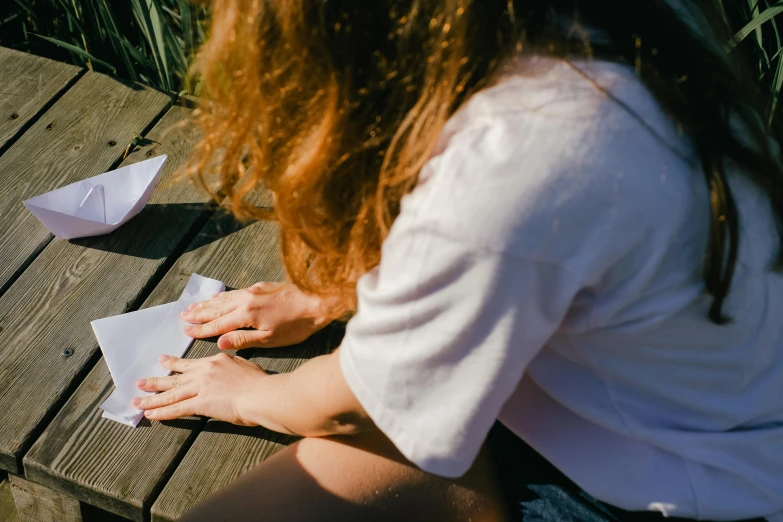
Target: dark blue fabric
column 536, row 491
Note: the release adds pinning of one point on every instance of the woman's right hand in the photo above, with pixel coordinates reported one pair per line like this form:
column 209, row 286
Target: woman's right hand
column 278, row 314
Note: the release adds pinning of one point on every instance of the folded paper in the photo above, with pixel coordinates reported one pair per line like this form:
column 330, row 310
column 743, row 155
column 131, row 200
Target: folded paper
column 100, row 204
column 132, row 343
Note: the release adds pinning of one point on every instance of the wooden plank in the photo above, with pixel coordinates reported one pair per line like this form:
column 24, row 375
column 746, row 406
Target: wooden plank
column 48, row 309
column 7, row 505
column 36, row 503
column 223, row 451
column 81, row 135
column 118, row 468
column 27, row 84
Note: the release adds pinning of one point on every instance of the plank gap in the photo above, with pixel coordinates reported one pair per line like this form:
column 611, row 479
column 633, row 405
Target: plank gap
column 37, row 116
column 144, row 132
column 55, row 409
column 170, row 469
column 23, row 266
column 180, row 455
column 176, row 253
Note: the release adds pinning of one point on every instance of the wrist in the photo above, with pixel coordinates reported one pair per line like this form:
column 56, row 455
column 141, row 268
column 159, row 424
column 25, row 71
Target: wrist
column 323, row 310
column 256, row 404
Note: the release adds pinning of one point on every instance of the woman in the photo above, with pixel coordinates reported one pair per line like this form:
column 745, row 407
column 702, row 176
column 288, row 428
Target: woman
column 559, row 215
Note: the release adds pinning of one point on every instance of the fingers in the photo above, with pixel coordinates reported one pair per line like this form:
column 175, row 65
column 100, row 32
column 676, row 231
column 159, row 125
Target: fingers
column 204, row 311
column 208, row 313
column 166, row 398
column 218, row 326
column 175, row 364
column 240, row 339
column 215, row 300
column 159, row 383
column 177, row 410
column 265, row 287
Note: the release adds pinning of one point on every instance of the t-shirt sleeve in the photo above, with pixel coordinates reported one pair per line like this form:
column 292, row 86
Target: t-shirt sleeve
column 443, row 333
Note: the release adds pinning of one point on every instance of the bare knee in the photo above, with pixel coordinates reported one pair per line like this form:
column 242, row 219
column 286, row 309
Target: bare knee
column 352, row 478
column 380, row 478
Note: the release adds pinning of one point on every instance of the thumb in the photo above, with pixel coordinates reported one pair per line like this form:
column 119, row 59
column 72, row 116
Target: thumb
column 240, row 339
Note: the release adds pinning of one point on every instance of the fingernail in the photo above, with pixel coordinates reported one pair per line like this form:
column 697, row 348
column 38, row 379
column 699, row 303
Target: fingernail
column 164, row 358
column 148, row 413
column 189, row 328
column 184, row 313
column 137, row 401
column 141, row 383
column 191, row 306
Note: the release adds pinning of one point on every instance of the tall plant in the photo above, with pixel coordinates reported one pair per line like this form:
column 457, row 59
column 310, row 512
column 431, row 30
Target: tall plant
column 151, row 41
column 759, row 31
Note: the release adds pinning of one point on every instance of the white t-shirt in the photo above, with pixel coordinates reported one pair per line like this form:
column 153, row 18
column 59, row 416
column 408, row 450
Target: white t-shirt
column 547, row 271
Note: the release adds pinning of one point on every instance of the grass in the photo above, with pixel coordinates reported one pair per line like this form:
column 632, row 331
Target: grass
column 149, row 41
column 153, row 41
column 757, row 29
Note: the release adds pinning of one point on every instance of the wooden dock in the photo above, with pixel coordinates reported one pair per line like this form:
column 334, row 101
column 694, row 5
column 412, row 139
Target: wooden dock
column 60, row 124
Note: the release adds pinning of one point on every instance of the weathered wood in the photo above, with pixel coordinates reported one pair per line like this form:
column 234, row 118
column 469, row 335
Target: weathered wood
column 118, row 468
column 7, row 505
column 83, row 134
column 70, row 283
column 27, row 84
column 36, row 503
column 222, row 452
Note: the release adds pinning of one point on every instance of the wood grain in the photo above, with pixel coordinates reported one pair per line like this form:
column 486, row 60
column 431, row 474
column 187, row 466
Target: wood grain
column 120, row 469
column 27, row 84
column 83, row 134
column 7, row 505
column 36, row 503
column 70, row 283
column 223, row 451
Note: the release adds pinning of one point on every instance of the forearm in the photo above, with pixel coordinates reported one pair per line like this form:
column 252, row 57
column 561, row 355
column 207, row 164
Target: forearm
column 312, row 401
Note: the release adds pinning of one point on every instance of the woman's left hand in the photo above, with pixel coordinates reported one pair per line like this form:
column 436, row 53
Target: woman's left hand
column 211, row 386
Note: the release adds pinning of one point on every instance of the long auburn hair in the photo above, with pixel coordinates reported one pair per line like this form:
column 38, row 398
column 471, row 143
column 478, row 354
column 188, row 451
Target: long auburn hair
column 335, row 105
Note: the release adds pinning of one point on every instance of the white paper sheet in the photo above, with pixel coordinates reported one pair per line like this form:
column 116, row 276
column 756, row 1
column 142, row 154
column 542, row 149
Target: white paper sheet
column 131, row 344
column 100, row 204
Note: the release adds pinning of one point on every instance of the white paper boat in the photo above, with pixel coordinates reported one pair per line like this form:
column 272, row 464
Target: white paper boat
column 131, row 344
column 100, row 204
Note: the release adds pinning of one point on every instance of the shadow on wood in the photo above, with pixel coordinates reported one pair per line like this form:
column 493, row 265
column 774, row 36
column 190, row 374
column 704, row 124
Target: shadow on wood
column 156, row 216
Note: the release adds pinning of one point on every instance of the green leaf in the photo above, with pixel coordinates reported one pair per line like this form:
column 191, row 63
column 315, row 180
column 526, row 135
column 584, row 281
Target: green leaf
column 186, row 16
column 171, row 12
column 754, row 12
column 152, row 26
column 115, row 39
column 77, row 50
column 134, row 52
column 27, row 9
column 751, row 26
column 777, row 86
column 72, row 18
column 774, row 25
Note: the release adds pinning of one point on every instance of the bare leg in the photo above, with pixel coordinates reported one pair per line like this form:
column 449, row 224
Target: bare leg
column 358, row 478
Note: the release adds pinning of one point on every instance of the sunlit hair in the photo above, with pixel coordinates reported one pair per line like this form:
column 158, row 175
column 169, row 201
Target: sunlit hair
column 335, row 105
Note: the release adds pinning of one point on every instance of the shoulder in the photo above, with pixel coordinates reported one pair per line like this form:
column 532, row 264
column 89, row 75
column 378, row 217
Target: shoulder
column 554, row 156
